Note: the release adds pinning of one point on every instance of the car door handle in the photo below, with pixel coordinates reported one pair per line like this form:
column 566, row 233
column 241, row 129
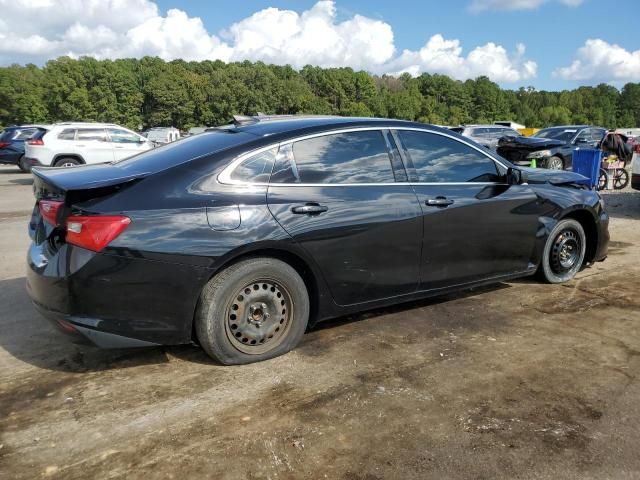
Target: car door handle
column 439, row 202
column 310, row 209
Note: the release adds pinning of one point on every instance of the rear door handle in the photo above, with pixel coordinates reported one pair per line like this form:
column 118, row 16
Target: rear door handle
column 439, row 202
column 310, row 209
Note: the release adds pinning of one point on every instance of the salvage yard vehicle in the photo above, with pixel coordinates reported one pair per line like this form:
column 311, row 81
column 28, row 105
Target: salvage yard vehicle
column 71, row 144
column 550, row 148
column 163, row 135
column 241, row 237
column 486, row 135
column 12, row 145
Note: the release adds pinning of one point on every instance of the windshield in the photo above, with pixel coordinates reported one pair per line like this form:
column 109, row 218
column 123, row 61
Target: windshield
column 182, row 151
column 563, row 134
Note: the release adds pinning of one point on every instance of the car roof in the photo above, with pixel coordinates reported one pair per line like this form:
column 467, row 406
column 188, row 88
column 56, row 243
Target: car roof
column 86, row 124
column 300, row 124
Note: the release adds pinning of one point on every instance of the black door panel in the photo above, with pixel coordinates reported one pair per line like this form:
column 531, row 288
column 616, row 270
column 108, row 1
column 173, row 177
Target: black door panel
column 366, row 241
column 486, row 230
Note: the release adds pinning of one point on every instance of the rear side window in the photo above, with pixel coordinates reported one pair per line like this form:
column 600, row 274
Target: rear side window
column 91, row 134
column 440, row 159
column 343, row 158
column 255, row 169
column 67, row 134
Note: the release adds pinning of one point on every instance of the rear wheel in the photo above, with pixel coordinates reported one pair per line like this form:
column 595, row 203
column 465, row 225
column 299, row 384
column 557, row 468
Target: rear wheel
column 554, row 163
column 23, row 165
column 254, row 310
column 620, row 179
column 67, row 162
column 563, row 252
column 603, row 179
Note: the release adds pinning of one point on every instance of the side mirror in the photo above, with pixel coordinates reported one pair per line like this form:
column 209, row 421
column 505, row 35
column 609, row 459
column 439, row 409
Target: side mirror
column 515, row 176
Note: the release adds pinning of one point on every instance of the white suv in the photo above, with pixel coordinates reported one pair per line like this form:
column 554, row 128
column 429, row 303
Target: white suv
column 69, row 144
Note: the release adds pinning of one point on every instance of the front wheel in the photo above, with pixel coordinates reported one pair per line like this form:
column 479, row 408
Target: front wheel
column 254, row 310
column 620, row 179
column 554, row 163
column 563, row 252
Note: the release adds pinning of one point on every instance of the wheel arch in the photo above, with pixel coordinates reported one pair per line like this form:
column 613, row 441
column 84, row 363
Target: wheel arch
column 586, row 219
column 68, row 155
column 318, row 294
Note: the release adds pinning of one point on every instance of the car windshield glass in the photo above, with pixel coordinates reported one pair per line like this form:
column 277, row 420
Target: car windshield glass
column 562, row 134
column 182, row 151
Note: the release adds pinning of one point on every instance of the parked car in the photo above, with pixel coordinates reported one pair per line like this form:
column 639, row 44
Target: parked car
column 550, row 147
column 12, row 145
column 635, row 168
column 163, row 135
column 240, row 237
column 486, row 135
column 71, row 144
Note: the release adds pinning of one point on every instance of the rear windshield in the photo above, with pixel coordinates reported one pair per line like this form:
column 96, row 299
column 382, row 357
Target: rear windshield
column 7, row 135
column 183, row 150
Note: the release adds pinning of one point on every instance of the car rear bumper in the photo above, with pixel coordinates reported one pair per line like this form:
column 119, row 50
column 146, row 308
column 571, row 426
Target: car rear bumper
column 33, row 162
column 635, row 181
column 113, row 301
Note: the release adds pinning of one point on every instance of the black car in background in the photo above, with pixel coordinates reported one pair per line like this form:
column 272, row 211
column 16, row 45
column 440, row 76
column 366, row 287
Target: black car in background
column 12, row 145
column 239, row 238
column 550, row 147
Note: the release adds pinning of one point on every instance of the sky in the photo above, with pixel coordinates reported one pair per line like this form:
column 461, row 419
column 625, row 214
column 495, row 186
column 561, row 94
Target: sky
column 547, row 44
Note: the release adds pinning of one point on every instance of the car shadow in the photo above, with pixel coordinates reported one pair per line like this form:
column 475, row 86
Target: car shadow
column 22, row 181
column 27, row 336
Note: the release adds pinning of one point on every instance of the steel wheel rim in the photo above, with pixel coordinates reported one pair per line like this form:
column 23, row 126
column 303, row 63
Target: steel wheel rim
column 565, row 251
column 258, row 317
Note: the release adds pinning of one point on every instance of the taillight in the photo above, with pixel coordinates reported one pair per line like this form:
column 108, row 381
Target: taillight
column 35, row 141
column 95, row 232
column 49, row 210
column 4, row 144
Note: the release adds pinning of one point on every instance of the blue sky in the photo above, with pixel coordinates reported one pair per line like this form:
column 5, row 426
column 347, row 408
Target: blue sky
column 552, row 33
column 549, row 44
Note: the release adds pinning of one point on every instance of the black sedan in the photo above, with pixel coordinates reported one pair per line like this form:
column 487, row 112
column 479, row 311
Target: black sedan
column 550, row 147
column 241, row 237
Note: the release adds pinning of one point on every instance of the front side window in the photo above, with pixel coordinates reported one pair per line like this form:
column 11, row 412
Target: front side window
column 255, row 169
column 440, row 159
column 91, row 134
column 343, row 158
column 118, row 135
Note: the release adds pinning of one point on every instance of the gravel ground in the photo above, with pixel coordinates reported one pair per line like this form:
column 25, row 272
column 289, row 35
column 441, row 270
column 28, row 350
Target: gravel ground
column 519, row 380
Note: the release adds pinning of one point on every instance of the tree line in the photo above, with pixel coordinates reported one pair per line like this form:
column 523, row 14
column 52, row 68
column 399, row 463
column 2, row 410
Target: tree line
column 141, row 93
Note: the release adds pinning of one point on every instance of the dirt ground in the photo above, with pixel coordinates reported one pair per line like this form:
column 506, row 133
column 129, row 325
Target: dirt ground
column 519, row 380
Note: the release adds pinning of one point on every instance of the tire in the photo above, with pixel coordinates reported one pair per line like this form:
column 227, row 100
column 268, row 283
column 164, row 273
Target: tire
column 620, row 179
column 603, row 179
column 23, row 165
column 554, row 163
column 67, row 162
column 254, row 310
column 560, row 264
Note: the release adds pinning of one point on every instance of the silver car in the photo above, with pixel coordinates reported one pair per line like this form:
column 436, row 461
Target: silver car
column 486, row 135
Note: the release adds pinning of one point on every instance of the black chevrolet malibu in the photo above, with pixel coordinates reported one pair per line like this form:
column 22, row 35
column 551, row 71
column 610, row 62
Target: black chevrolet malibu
column 241, row 237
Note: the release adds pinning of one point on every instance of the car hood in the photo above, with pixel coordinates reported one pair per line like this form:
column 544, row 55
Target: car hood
column 529, row 143
column 554, row 177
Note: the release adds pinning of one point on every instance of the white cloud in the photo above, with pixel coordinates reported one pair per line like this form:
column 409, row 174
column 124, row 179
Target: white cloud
column 598, row 60
column 480, row 5
column 443, row 56
column 134, row 28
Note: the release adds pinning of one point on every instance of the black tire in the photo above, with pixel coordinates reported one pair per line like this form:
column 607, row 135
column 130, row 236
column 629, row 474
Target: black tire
column 23, row 165
column 603, row 179
column 620, row 179
column 554, row 163
column 563, row 252
column 242, row 305
column 67, row 162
